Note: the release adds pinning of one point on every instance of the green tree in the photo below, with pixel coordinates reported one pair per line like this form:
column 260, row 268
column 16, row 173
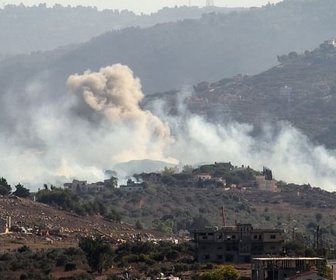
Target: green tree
column 5, row 188
column 112, row 183
column 21, row 191
column 224, row 272
column 98, row 255
column 169, row 171
column 138, row 225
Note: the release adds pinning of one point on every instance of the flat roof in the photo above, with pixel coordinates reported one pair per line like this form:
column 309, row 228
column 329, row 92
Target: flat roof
column 288, row 259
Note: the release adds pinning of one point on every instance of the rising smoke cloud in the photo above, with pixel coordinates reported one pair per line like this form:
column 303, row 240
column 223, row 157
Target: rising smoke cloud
column 100, row 122
column 116, row 94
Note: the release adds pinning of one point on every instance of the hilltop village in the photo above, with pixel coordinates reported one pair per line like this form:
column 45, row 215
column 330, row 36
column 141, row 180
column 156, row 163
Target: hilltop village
column 217, row 175
column 271, row 252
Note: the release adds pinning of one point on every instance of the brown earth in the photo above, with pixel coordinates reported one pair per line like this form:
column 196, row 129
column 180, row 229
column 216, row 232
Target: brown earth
column 54, row 222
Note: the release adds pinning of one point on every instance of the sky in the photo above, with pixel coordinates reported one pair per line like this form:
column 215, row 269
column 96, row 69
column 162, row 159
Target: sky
column 143, row 6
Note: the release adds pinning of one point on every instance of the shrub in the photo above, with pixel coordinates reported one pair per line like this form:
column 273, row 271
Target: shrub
column 70, row 267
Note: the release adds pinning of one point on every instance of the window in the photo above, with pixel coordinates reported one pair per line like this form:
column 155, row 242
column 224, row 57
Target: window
column 229, row 258
column 273, row 236
column 206, row 257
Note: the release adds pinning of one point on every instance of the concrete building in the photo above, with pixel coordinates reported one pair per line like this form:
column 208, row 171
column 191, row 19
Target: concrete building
column 131, row 186
column 151, row 178
column 266, row 185
column 75, row 186
column 83, row 187
column 203, row 176
column 238, row 244
column 288, row 268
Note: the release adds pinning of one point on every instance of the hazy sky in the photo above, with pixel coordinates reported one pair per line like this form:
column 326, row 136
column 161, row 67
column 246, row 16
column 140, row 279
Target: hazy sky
column 138, row 6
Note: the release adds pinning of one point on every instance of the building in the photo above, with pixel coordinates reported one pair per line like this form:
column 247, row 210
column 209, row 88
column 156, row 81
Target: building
column 203, row 176
column 151, row 178
column 266, row 185
column 75, row 186
column 288, row 268
column 238, row 244
column 131, row 186
column 83, row 187
column 331, row 43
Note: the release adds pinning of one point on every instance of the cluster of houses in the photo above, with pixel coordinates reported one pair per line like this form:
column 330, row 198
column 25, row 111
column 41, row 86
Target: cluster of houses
column 78, row 186
column 264, row 182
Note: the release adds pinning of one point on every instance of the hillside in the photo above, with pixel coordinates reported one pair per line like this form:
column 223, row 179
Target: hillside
column 182, row 205
column 179, row 203
column 73, row 25
column 171, row 55
column 217, row 45
column 27, row 213
column 60, row 134
column 300, row 90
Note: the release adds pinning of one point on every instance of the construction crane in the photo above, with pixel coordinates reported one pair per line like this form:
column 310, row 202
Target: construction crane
column 223, row 215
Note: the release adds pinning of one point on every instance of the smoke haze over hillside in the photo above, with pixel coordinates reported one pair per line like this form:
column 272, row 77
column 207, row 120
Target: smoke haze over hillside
column 99, row 123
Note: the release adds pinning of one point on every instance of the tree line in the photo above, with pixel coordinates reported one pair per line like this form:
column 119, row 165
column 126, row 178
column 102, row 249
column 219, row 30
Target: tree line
column 6, row 189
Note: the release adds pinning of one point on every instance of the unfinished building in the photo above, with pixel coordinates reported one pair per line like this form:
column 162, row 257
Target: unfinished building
column 237, row 244
column 288, row 268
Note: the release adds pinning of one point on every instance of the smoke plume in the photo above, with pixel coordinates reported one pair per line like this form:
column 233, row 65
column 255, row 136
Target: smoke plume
column 116, row 94
column 98, row 122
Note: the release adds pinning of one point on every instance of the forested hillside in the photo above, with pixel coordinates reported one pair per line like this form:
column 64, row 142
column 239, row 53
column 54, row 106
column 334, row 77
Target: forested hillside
column 170, row 55
column 300, row 90
column 53, row 113
column 172, row 202
column 39, row 28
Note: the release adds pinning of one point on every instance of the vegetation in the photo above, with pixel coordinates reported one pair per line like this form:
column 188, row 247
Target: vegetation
column 69, row 201
column 5, row 188
column 225, row 272
column 99, row 255
column 38, row 264
column 146, row 258
column 21, row 191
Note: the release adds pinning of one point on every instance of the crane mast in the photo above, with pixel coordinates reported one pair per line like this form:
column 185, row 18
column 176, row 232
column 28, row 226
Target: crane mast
column 223, row 215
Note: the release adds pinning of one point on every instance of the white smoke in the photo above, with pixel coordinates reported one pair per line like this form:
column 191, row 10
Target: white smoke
column 110, row 127
column 116, row 94
column 288, row 152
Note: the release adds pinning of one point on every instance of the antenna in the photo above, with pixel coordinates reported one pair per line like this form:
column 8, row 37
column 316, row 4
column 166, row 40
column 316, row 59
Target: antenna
column 209, row 3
